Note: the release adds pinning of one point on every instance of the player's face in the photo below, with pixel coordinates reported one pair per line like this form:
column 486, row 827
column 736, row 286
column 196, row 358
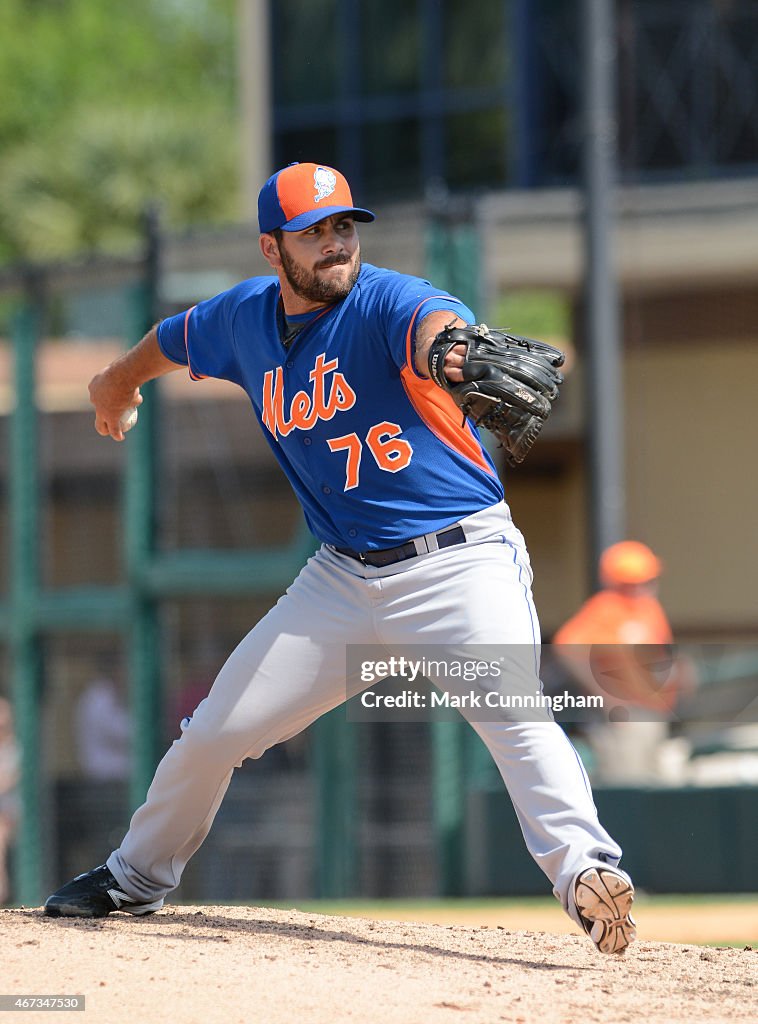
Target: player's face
column 322, row 263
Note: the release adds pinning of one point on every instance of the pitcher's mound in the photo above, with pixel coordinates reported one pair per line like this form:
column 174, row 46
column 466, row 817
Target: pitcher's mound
column 236, row 965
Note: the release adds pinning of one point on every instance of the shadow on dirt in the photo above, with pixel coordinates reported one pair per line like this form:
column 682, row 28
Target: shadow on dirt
column 192, row 925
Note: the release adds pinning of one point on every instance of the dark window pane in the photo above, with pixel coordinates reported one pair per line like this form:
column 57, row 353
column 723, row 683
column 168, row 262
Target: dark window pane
column 558, row 102
column 476, row 146
column 389, row 44
column 391, row 158
column 305, row 51
column 316, row 145
column 474, row 43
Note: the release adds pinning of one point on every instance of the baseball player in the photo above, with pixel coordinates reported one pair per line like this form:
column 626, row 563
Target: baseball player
column 348, row 369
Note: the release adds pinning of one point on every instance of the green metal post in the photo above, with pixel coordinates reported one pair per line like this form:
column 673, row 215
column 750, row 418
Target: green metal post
column 24, row 644
column 143, row 661
column 336, row 854
column 453, row 252
column 449, row 796
column 139, row 546
column 452, row 262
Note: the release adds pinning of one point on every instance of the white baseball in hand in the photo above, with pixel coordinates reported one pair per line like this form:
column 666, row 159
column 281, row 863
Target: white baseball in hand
column 128, row 419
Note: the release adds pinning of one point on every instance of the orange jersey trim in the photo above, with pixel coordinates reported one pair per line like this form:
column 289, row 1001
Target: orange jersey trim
column 193, row 375
column 436, row 407
column 409, row 353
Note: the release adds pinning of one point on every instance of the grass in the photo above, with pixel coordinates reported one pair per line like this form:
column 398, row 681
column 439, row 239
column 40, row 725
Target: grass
column 537, row 314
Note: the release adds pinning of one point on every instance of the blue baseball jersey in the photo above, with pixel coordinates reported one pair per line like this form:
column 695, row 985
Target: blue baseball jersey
column 375, row 452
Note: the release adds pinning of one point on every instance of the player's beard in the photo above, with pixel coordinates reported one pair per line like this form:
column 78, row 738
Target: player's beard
column 307, row 283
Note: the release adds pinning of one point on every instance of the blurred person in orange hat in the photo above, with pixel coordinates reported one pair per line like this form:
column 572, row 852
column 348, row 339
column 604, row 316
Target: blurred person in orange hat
column 618, row 645
column 627, row 609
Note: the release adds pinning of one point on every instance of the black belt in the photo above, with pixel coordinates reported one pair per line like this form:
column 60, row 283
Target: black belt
column 388, row 556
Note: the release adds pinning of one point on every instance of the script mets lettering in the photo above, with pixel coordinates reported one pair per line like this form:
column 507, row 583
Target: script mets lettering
column 305, row 410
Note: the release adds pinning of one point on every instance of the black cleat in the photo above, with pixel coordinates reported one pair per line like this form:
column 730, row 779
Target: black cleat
column 96, row 893
column 604, row 901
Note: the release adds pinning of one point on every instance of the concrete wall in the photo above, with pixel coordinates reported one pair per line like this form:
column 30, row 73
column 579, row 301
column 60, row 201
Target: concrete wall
column 692, row 473
column 691, row 413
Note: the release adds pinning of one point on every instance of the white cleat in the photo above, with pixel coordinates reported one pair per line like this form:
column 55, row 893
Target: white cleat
column 604, row 901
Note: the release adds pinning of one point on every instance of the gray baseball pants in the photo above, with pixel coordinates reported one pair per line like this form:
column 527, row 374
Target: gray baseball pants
column 291, row 668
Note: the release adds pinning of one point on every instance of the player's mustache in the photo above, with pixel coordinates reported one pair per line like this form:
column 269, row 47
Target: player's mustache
column 334, row 261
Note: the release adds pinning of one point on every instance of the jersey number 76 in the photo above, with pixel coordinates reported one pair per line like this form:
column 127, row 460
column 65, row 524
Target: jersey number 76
column 390, row 452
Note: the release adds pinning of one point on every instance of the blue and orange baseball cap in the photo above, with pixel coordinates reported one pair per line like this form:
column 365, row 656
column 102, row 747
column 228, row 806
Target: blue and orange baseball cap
column 302, row 194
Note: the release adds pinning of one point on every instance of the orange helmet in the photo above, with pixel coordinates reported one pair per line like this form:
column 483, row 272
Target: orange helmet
column 628, row 562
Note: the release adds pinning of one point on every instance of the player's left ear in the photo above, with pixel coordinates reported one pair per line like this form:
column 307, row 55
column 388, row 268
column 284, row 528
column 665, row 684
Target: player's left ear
column 270, row 250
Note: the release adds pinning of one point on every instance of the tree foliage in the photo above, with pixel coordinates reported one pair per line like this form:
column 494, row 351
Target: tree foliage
column 105, row 107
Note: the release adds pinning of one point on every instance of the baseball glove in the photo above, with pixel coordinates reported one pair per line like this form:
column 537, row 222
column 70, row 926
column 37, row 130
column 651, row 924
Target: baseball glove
column 508, row 383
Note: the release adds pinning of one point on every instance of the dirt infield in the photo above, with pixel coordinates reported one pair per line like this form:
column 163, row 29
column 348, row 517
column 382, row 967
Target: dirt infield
column 236, row 965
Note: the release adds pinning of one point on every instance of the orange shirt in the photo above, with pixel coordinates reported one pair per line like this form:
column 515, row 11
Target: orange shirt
column 630, row 672
column 612, row 618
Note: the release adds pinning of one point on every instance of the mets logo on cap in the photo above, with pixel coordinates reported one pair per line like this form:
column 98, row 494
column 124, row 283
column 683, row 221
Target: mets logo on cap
column 325, row 181
column 299, row 195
